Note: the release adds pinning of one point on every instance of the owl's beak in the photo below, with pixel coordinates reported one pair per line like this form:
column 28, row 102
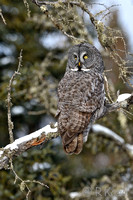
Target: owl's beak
column 79, row 66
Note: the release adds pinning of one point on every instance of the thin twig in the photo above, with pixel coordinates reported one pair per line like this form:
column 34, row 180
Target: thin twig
column 107, row 36
column 28, row 8
column 107, row 88
column 9, row 103
column 23, row 184
column 3, row 19
column 50, row 131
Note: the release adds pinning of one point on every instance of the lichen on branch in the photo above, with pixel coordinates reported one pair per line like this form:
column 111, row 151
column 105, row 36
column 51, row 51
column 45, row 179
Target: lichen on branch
column 65, row 17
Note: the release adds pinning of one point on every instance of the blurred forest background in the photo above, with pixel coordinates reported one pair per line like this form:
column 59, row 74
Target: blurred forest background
column 102, row 164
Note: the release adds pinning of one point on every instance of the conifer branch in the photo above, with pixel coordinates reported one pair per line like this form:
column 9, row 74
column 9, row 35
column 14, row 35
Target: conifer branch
column 49, row 132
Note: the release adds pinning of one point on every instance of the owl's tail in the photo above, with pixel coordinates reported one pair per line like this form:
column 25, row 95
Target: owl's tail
column 75, row 146
column 71, row 125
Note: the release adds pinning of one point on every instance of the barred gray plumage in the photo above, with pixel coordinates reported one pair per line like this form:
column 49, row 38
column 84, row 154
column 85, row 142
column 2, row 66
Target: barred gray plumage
column 80, row 96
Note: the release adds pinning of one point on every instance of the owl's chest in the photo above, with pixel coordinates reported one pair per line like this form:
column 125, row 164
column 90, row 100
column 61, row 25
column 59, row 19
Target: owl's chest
column 78, row 86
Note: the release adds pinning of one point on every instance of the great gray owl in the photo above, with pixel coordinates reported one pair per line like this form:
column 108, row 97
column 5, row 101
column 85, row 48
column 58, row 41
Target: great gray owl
column 80, row 96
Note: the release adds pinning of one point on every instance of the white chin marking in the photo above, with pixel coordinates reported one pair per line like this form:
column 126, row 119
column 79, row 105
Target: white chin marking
column 85, row 70
column 74, row 70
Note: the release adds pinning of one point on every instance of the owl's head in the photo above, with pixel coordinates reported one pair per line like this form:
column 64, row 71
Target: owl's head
column 84, row 57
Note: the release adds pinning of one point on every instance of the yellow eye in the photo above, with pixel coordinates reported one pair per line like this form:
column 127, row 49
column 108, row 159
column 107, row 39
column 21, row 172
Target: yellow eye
column 85, row 57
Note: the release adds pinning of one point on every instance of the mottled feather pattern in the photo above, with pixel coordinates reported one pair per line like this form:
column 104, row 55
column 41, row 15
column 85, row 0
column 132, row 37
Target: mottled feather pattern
column 71, row 125
column 80, row 91
column 80, row 98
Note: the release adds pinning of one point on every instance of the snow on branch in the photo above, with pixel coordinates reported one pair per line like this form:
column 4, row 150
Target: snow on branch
column 50, row 131
column 24, row 143
column 101, row 130
column 123, row 102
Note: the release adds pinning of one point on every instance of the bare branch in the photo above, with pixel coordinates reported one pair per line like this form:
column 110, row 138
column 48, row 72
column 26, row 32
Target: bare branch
column 107, row 36
column 61, row 28
column 101, row 130
column 24, row 143
column 1, row 15
column 51, row 3
column 80, row 4
column 24, row 183
column 28, row 8
column 43, row 6
column 9, row 104
column 49, row 132
column 123, row 101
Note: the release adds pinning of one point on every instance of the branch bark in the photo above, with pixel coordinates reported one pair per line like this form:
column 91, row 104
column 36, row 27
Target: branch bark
column 107, row 36
column 50, row 131
column 24, row 143
column 123, row 102
column 1, row 15
column 9, row 103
